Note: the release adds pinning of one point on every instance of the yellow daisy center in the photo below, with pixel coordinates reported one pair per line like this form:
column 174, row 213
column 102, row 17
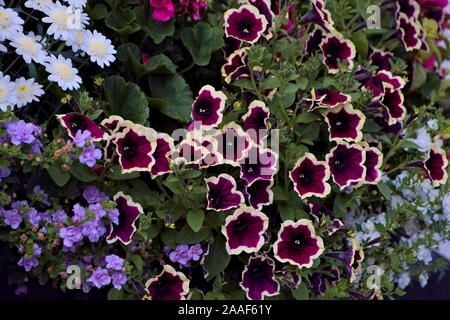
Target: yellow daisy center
column 98, row 48
column 23, row 90
column 63, row 71
column 5, row 20
column 29, row 47
column 59, row 17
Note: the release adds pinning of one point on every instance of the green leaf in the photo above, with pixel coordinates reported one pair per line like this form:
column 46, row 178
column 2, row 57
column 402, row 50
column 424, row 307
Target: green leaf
column 270, row 83
column 122, row 21
column 190, row 174
column 201, row 41
column 125, row 99
column 287, row 213
column 385, row 190
column 83, row 173
column 431, row 86
column 361, row 44
column 175, row 96
column 371, row 126
column 339, row 208
column 195, row 219
column 408, row 144
column 217, row 259
column 98, row 12
column 160, row 64
column 157, row 30
column 114, row 294
column 301, row 293
column 59, row 177
column 115, row 173
column 189, row 236
column 306, row 117
column 419, row 77
column 137, row 260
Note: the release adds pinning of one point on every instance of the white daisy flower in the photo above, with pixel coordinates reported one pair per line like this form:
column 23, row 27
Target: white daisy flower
column 28, row 91
column 99, row 48
column 40, row 5
column 77, row 3
column 75, row 40
column 10, row 23
column 29, row 48
column 61, row 71
column 59, row 17
column 8, row 96
column 2, row 3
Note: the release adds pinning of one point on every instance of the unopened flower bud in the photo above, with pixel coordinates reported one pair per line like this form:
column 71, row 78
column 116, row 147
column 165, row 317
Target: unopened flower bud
column 65, row 167
column 23, row 238
column 41, row 236
column 63, row 274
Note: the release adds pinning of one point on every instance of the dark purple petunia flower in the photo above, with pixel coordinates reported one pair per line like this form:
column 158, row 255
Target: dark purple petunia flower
column 231, row 45
column 212, row 157
column 377, row 84
column 258, row 194
column 374, row 160
column 346, row 163
column 297, row 243
column 318, row 15
column 168, row 285
column 112, row 122
column 351, row 259
column 110, row 149
column 135, row 146
column 259, row 164
column 319, row 280
column 232, row 143
column 390, row 106
column 314, row 41
column 258, row 278
column 319, row 211
column 255, row 121
column 434, row 166
column 335, row 48
column 381, row 60
column 164, row 146
column 129, row 211
column 408, row 32
column 75, row 122
column 244, row 230
column 245, row 24
column 325, row 98
column 394, row 128
column 263, row 7
column 222, row 194
column 409, row 7
column 345, row 123
column 208, row 107
column 309, row 177
column 189, row 151
column 237, row 66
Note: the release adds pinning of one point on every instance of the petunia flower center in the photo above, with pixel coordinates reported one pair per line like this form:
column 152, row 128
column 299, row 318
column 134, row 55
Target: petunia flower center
column 29, row 47
column 298, row 242
column 63, row 71
column 258, row 272
column 5, row 20
column 240, row 225
column 203, row 108
column 305, row 176
column 246, row 28
column 333, row 55
column 339, row 164
column 129, row 149
column 161, row 287
column 98, row 48
column 252, row 169
column 77, row 123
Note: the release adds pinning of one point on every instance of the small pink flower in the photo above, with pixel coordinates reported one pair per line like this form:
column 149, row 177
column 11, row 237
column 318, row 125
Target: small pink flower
column 429, row 63
column 164, row 10
column 145, row 58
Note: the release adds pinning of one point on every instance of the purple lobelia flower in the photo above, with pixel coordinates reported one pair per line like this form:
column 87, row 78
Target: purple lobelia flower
column 258, row 278
column 71, row 235
column 351, row 259
column 244, row 230
column 129, row 211
column 222, row 194
column 97, row 209
column 208, row 107
column 118, row 279
column 335, row 48
column 90, row 155
column 319, row 279
column 164, row 146
column 79, row 213
column 232, row 143
column 346, row 163
column 135, row 146
column 22, row 289
column 237, row 66
column 309, row 177
column 259, row 164
column 59, row 216
column 319, row 211
column 20, row 132
column 34, row 217
column 168, row 285
column 28, row 263
column 325, row 98
column 12, row 218
column 75, row 122
column 38, row 191
column 297, row 243
column 195, row 251
column 345, row 123
column 114, row 262
column 381, row 59
column 93, row 195
column 319, row 16
column 93, row 229
column 245, row 23
column 113, row 215
column 258, row 194
column 4, row 173
column 100, row 277
column 255, row 121
column 81, row 137
column 373, row 162
column 434, row 166
column 181, row 254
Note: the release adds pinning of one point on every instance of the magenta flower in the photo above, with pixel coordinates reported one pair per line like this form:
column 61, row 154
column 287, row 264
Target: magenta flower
column 164, row 10
column 168, row 285
column 245, row 23
column 258, row 278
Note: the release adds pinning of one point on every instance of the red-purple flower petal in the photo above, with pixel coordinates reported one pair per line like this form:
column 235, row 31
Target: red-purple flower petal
column 255, row 121
column 244, row 230
column 318, row 15
column 345, row 123
column 164, row 147
column 75, row 122
column 168, row 285
column 335, row 48
column 208, row 107
column 232, row 143
column 258, row 278
column 325, row 98
column 245, row 23
column 222, row 193
column 259, row 164
column 381, row 60
column 434, row 166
